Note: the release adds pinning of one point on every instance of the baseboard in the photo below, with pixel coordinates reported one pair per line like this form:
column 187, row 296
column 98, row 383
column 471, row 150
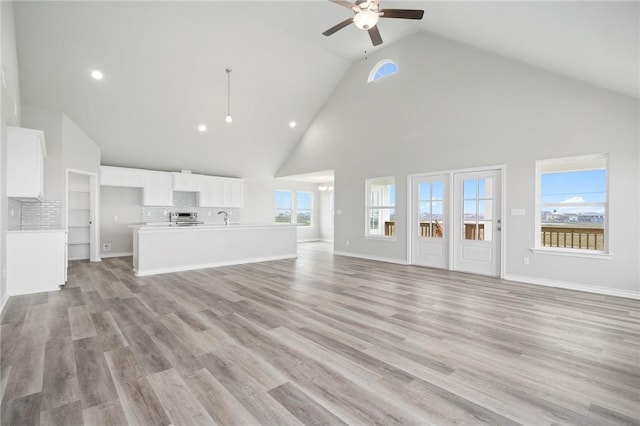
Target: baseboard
column 5, row 299
column 211, row 265
column 572, row 286
column 308, row 240
column 117, row 254
column 368, row 257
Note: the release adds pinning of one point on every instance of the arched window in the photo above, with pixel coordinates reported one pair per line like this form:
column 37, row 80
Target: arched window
column 383, row 69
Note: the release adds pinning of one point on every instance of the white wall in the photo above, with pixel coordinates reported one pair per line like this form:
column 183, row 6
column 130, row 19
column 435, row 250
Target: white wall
column 452, row 107
column 9, row 115
column 123, row 203
column 324, row 215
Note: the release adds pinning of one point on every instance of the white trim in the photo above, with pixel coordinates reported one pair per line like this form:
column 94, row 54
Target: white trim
column 211, row 265
column 117, row 254
column 368, row 257
column 380, row 237
column 4, row 303
column 573, row 286
column 572, row 253
column 307, row 240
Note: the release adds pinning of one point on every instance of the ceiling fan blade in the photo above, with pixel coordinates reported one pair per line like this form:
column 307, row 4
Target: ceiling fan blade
column 376, row 39
column 402, row 13
column 344, row 3
column 338, row 27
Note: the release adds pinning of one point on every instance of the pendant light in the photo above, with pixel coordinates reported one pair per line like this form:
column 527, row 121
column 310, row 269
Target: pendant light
column 228, row 119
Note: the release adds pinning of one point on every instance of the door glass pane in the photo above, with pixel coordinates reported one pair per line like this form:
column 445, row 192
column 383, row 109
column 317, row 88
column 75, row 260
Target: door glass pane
column 437, row 217
column 424, row 192
column 469, row 189
column 485, row 188
column 437, row 191
column 470, row 211
column 485, row 209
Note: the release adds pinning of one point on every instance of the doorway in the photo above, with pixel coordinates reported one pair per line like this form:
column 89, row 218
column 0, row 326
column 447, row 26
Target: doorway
column 456, row 221
column 80, row 218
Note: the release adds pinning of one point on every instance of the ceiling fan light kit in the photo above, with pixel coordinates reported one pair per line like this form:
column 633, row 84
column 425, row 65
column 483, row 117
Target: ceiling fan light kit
column 366, row 19
column 366, row 16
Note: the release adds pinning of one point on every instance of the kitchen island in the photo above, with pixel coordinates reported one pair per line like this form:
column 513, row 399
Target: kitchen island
column 159, row 249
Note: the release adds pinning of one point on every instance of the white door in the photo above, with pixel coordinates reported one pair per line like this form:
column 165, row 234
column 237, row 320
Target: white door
column 477, row 222
column 429, row 227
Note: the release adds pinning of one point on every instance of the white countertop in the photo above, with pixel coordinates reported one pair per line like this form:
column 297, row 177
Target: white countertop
column 169, row 225
column 29, row 228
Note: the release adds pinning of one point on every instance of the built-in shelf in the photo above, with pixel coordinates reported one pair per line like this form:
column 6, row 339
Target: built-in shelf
column 79, row 216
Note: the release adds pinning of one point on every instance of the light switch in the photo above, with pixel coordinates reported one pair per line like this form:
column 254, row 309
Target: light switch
column 517, row 212
column 115, row 218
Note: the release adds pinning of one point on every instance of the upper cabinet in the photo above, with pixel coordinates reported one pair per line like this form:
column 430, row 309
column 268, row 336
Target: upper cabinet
column 26, row 150
column 187, row 182
column 158, row 189
column 158, row 186
column 121, row 176
column 233, row 192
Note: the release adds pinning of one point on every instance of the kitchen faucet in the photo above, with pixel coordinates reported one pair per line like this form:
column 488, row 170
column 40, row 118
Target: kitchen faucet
column 226, row 217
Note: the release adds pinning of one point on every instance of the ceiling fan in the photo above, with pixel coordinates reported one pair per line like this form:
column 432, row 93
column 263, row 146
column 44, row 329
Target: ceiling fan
column 366, row 15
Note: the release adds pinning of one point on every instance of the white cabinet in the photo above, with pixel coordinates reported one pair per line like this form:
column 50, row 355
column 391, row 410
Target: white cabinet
column 121, row 176
column 26, row 150
column 233, row 192
column 36, row 261
column 187, row 182
column 221, row 192
column 158, row 189
column 212, row 192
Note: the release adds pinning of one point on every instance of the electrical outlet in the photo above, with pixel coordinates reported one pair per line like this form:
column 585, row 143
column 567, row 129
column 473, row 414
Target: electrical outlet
column 347, row 242
column 525, row 260
column 106, row 247
column 11, row 212
column 115, row 218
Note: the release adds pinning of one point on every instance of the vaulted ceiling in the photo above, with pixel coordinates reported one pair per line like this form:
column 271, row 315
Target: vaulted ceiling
column 164, row 66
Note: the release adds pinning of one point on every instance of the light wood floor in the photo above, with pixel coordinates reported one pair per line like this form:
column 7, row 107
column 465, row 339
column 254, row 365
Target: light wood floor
column 321, row 340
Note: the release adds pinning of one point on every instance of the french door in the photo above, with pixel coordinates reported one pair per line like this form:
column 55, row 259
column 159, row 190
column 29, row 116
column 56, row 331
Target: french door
column 430, row 224
column 477, row 222
column 456, row 221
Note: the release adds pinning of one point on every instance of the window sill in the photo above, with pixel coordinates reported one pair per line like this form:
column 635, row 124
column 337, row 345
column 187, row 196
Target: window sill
column 380, row 237
column 573, row 253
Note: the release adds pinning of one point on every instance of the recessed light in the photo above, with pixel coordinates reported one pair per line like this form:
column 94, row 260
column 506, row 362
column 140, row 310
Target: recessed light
column 97, row 75
column 202, row 128
column 292, row 124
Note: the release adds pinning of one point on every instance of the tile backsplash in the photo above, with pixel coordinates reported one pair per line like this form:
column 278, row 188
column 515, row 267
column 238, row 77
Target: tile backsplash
column 185, row 202
column 45, row 214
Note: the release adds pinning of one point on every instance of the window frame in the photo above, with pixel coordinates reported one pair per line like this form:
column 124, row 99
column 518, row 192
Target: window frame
column 568, row 251
column 293, row 207
column 369, row 207
column 378, row 66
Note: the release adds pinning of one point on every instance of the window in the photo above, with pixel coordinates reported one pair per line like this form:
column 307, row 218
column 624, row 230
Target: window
column 303, row 208
column 381, row 195
column 290, row 209
column 572, row 204
column 382, row 69
column 283, row 207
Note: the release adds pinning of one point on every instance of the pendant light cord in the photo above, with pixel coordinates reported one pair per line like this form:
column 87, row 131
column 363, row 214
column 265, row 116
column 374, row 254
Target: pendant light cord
column 228, row 70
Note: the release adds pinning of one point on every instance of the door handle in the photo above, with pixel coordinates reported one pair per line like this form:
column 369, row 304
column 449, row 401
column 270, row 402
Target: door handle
column 499, row 228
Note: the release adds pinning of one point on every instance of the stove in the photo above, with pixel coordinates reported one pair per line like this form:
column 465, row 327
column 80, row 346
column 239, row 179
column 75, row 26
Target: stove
column 184, row 218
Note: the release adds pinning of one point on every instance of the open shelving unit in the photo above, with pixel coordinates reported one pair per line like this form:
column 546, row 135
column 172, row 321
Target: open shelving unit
column 79, row 217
